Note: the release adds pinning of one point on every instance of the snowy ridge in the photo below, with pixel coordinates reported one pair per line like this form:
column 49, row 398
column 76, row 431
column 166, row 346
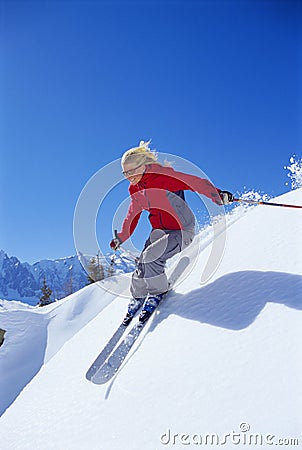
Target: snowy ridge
column 216, row 357
column 43, row 331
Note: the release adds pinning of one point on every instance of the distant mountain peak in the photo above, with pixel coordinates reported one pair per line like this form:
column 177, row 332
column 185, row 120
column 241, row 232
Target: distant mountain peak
column 23, row 281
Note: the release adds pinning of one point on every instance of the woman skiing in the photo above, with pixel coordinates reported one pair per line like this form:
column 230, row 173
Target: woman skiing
column 160, row 190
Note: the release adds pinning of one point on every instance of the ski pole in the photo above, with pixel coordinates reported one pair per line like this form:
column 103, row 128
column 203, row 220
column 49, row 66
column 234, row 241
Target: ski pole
column 126, row 252
column 130, row 255
column 256, row 202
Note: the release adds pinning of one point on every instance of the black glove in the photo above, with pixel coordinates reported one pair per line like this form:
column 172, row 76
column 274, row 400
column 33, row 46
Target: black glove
column 226, row 197
column 115, row 243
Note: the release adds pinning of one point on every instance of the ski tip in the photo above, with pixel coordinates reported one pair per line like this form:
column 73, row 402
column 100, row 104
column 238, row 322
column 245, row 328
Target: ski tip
column 89, row 375
column 102, row 378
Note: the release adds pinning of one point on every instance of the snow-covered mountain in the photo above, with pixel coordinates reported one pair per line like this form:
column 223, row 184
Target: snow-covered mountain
column 220, row 364
column 23, row 281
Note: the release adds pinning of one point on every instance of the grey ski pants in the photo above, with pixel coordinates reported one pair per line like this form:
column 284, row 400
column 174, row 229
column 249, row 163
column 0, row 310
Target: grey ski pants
column 149, row 277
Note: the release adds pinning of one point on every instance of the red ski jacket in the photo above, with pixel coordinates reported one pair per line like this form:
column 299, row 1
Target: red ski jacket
column 160, row 191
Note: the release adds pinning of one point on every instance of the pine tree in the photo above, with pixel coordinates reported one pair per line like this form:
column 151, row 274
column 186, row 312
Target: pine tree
column 68, row 285
column 95, row 270
column 46, row 293
column 110, row 270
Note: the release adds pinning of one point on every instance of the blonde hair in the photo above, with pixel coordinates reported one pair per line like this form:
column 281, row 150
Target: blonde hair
column 140, row 155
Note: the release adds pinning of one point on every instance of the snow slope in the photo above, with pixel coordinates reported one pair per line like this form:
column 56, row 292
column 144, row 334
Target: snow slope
column 220, row 363
column 34, row 335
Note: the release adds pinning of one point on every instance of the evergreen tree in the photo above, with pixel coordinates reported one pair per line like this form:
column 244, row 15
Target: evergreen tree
column 68, row 285
column 95, row 270
column 46, row 293
column 110, row 270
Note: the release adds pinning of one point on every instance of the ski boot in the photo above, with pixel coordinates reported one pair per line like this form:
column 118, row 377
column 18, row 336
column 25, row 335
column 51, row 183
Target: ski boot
column 150, row 305
column 134, row 305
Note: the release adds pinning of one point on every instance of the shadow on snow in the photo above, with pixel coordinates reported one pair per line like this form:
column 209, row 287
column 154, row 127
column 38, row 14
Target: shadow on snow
column 235, row 300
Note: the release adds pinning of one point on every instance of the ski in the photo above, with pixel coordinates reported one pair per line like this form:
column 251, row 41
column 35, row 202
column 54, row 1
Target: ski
column 117, row 357
column 106, row 366
column 109, row 347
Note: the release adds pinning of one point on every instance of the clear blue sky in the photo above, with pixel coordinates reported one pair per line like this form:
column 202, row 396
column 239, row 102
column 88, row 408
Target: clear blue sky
column 216, row 82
